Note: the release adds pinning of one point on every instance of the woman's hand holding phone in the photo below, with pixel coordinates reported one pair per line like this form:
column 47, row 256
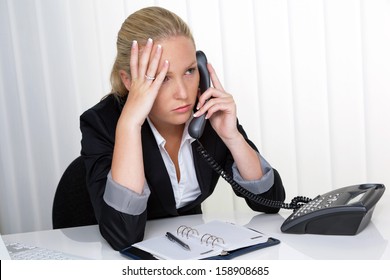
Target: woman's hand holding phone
column 219, row 107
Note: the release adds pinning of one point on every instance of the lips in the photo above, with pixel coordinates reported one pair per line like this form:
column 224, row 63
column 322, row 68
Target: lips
column 182, row 109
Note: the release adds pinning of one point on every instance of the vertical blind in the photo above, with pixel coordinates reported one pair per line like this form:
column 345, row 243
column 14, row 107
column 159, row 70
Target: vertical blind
column 311, row 80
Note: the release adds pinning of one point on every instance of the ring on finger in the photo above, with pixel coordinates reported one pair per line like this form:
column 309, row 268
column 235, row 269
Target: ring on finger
column 150, row 78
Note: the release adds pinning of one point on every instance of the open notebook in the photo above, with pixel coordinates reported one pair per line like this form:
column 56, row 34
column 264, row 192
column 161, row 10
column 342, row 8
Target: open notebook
column 213, row 240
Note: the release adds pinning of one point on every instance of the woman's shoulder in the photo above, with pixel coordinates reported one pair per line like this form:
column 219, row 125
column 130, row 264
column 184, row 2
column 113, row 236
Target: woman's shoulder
column 106, row 112
column 109, row 102
column 108, row 105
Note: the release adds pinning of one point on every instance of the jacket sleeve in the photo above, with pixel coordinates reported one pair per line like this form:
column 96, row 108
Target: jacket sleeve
column 118, row 228
column 275, row 193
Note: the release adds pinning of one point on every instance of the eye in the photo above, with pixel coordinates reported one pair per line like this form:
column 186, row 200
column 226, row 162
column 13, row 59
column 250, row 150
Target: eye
column 190, row 71
column 166, row 79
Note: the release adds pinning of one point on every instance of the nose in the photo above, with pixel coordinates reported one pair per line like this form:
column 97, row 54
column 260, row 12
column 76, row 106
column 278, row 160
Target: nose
column 181, row 91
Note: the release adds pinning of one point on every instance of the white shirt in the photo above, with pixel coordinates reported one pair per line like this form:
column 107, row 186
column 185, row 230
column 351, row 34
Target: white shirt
column 187, row 190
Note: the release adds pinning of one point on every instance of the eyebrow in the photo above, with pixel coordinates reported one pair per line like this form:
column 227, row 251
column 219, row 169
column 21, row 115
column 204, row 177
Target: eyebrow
column 193, row 64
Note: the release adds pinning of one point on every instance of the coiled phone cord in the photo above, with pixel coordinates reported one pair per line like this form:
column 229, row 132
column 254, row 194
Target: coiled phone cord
column 295, row 203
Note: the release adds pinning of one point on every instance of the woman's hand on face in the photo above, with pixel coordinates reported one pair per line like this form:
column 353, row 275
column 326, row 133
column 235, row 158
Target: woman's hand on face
column 219, row 107
column 144, row 82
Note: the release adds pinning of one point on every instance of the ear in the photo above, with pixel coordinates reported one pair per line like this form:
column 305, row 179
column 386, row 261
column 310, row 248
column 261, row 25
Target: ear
column 125, row 79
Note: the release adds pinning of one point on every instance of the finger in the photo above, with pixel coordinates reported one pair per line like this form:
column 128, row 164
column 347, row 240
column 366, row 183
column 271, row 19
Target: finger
column 225, row 106
column 217, row 108
column 134, row 61
column 161, row 76
column 208, row 94
column 144, row 60
column 214, row 78
column 204, row 103
column 153, row 64
column 223, row 102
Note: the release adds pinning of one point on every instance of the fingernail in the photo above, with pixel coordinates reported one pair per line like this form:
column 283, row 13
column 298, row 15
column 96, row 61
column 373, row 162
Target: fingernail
column 150, row 40
column 134, row 43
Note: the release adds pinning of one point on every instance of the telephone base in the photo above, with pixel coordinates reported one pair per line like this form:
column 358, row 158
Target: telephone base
column 345, row 211
column 336, row 224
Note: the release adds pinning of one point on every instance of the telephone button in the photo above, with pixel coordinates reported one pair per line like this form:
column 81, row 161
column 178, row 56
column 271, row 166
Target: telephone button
column 331, row 200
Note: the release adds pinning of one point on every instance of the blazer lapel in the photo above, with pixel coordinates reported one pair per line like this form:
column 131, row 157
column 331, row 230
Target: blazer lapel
column 155, row 171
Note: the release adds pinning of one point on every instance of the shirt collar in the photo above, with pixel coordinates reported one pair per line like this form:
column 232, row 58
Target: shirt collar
column 161, row 141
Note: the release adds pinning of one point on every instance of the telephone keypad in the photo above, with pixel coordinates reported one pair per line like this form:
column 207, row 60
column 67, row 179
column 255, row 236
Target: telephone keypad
column 316, row 204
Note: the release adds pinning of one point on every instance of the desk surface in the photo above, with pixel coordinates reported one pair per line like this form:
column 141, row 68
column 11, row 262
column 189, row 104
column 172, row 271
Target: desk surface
column 370, row 244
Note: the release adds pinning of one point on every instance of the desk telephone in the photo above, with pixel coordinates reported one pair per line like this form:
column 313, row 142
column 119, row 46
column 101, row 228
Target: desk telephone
column 344, row 211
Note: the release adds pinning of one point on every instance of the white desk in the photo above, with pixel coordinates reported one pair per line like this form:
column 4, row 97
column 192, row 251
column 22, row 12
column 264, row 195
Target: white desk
column 370, row 244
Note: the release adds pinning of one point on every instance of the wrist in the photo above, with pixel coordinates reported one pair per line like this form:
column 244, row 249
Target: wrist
column 131, row 117
column 234, row 141
column 245, row 157
column 127, row 122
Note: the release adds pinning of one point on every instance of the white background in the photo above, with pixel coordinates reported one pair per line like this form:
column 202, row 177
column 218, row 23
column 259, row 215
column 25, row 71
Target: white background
column 311, row 79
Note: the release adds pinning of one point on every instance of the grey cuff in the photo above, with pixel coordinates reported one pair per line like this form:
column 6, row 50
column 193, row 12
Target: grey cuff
column 256, row 186
column 125, row 200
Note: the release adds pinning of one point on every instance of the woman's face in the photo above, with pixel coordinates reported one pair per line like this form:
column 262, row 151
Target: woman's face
column 177, row 96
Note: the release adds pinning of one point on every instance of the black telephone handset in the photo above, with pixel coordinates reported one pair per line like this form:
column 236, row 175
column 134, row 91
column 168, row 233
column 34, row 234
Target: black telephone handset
column 345, row 211
column 196, row 127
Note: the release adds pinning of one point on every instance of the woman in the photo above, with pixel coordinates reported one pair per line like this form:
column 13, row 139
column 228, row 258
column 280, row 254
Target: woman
column 141, row 162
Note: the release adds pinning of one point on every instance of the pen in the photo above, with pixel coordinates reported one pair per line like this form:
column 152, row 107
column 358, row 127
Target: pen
column 173, row 238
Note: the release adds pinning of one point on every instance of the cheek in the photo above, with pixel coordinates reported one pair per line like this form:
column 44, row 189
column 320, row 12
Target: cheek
column 159, row 102
column 193, row 90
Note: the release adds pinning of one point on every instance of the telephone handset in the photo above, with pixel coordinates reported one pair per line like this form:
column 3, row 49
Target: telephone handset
column 344, row 211
column 197, row 125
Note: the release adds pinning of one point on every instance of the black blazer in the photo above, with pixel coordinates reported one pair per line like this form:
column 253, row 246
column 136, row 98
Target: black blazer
column 98, row 126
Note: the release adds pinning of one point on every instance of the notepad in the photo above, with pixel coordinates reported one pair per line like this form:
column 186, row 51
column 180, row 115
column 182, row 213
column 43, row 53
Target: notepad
column 216, row 239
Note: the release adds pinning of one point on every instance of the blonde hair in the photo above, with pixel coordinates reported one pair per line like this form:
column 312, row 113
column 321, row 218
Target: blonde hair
column 152, row 22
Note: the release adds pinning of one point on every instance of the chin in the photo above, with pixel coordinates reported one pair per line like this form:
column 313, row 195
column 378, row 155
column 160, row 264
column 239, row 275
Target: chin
column 182, row 119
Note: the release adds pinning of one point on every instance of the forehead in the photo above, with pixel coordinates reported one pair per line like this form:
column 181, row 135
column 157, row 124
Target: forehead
column 177, row 50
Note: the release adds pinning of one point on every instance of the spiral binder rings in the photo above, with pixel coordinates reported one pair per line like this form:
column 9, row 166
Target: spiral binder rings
column 213, row 240
column 206, row 238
